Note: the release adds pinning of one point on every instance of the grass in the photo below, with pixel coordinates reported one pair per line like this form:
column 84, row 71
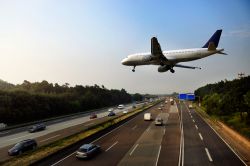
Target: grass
column 234, row 121
column 44, row 151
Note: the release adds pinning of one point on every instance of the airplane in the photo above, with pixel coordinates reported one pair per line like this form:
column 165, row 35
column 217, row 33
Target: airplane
column 167, row 60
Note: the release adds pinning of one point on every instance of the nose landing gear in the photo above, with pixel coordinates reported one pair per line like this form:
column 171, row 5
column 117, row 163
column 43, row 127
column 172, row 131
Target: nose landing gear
column 172, row 70
column 133, row 70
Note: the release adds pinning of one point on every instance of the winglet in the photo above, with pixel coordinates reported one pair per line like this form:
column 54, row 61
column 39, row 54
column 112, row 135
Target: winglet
column 214, row 39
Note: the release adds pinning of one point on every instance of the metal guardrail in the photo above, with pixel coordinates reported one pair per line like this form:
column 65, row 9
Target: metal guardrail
column 53, row 118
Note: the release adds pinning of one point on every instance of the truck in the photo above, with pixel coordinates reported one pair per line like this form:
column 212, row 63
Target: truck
column 147, row 116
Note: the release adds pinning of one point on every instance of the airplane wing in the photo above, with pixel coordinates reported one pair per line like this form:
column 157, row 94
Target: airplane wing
column 187, row 67
column 156, row 49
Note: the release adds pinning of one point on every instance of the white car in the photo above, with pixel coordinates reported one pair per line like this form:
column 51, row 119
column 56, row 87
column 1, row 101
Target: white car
column 110, row 110
column 158, row 121
column 121, row 106
column 190, row 106
column 125, row 111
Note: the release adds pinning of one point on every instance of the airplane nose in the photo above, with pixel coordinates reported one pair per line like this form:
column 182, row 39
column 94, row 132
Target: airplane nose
column 124, row 61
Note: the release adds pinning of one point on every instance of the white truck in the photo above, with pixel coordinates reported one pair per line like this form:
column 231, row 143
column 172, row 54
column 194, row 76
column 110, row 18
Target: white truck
column 147, row 116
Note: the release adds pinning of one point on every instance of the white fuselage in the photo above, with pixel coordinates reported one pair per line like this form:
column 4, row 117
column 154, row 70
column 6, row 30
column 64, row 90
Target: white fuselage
column 173, row 56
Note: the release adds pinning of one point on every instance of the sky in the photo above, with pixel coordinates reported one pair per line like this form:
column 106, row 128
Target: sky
column 82, row 42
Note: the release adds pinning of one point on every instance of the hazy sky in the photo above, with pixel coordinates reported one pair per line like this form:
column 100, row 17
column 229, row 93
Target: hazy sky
column 83, row 42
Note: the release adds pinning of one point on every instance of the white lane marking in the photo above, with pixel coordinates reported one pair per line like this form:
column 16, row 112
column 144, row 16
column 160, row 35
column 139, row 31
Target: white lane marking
column 50, row 138
column 193, row 120
column 63, row 159
column 208, row 155
column 133, row 149
column 182, row 146
column 223, row 140
column 19, row 137
column 134, row 127
column 158, row 155
column 181, row 152
column 164, row 131
column 148, row 129
column 111, row 146
column 196, row 127
column 191, row 116
column 94, row 141
column 201, row 136
column 114, row 130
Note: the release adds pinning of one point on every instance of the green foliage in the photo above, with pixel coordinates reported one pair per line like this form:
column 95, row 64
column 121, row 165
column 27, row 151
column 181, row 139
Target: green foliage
column 35, row 101
column 229, row 101
column 137, row 97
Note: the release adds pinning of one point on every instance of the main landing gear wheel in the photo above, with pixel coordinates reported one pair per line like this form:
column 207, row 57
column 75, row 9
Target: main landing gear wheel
column 172, row 70
column 133, row 70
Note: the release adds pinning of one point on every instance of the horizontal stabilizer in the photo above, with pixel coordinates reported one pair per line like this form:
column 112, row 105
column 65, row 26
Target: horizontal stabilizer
column 223, row 53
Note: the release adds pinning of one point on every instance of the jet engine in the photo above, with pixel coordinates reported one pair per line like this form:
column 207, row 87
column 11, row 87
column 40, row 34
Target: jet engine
column 163, row 68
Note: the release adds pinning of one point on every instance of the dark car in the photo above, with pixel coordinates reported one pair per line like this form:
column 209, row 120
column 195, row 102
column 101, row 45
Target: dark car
column 20, row 147
column 92, row 116
column 111, row 114
column 87, row 151
column 37, row 127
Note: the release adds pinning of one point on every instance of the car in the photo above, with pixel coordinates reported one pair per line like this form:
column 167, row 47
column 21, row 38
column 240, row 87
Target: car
column 23, row 146
column 190, row 106
column 37, row 127
column 159, row 108
column 110, row 110
column 125, row 111
column 87, row 151
column 111, row 114
column 159, row 121
column 134, row 106
column 121, row 106
column 93, row 116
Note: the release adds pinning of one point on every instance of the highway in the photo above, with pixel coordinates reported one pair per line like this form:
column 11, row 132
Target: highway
column 56, row 129
column 136, row 142
column 184, row 139
column 202, row 146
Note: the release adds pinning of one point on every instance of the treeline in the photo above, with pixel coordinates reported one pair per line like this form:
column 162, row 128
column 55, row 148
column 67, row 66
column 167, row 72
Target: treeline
column 229, row 101
column 35, row 101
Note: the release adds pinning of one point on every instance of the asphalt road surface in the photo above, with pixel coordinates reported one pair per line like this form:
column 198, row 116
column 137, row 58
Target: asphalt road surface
column 137, row 142
column 55, row 129
column 202, row 146
column 184, row 139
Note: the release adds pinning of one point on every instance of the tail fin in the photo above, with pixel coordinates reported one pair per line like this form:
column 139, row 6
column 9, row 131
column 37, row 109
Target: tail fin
column 214, row 39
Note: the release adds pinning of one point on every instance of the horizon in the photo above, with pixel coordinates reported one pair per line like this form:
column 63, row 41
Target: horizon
column 83, row 42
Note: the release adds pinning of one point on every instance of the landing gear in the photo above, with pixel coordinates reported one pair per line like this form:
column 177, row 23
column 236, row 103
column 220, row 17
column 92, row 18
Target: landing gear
column 172, row 70
column 133, row 70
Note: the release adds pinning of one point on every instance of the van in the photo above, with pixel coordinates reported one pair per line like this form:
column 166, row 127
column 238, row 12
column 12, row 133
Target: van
column 147, row 116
